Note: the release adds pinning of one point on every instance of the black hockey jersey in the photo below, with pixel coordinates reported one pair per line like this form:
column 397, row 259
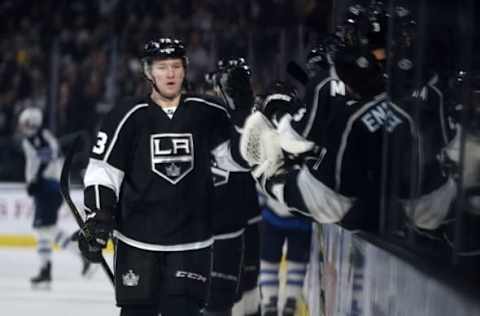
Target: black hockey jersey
column 155, row 171
column 235, row 200
column 323, row 94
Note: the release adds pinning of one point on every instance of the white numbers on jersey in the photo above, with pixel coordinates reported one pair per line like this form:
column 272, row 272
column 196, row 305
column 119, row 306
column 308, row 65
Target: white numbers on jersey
column 99, row 147
column 297, row 117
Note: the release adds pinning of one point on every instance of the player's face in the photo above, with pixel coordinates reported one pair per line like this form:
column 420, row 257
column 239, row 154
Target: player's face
column 168, row 75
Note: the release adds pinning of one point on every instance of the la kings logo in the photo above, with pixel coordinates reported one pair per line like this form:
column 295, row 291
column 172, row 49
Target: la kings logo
column 172, row 155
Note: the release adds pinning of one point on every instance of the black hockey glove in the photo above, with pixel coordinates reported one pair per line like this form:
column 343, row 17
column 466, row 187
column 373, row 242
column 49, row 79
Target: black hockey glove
column 271, row 186
column 95, row 234
column 236, row 89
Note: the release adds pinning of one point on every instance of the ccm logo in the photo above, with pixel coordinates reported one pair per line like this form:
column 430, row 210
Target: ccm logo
column 190, row 275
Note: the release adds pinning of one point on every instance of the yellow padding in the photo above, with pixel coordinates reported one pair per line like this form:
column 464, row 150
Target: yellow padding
column 17, row 241
column 7, row 240
column 302, row 309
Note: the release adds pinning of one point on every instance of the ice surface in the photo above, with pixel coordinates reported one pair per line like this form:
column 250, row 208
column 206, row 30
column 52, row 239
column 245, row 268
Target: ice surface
column 70, row 294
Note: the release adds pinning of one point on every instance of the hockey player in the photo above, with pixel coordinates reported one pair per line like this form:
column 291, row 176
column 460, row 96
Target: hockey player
column 235, row 248
column 364, row 139
column 149, row 181
column 42, row 174
column 279, row 225
column 235, row 194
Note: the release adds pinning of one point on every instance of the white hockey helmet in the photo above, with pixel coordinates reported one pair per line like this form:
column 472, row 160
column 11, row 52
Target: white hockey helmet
column 30, row 120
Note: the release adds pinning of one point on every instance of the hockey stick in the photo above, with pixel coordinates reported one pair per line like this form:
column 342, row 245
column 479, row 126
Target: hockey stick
column 297, row 72
column 65, row 190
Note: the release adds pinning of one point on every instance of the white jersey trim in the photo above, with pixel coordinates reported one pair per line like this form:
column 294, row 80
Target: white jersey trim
column 231, row 235
column 100, row 172
column 155, row 247
column 254, row 220
column 314, row 108
column 223, row 157
column 119, row 127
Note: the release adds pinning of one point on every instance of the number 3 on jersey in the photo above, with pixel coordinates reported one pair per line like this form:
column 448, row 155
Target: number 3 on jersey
column 99, row 147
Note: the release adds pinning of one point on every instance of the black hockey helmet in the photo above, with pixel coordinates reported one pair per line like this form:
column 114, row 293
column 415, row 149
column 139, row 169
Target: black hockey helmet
column 234, row 63
column 365, row 26
column 225, row 66
column 317, row 59
column 164, row 48
column 322, row 55
column 407, row 72
column 363, row 31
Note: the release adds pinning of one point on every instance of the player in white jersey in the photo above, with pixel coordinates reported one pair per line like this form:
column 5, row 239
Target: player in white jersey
column 43, row 163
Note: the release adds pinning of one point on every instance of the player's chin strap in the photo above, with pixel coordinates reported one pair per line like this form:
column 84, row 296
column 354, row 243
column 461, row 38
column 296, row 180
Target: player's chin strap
column 153, row 84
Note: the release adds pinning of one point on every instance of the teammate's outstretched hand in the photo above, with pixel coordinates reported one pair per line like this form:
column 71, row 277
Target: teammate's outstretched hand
column 235, row 87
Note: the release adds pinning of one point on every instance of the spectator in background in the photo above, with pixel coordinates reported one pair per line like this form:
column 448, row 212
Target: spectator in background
column 198, row 58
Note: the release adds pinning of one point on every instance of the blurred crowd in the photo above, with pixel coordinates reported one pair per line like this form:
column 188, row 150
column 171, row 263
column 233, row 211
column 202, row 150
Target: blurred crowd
column 74, row 58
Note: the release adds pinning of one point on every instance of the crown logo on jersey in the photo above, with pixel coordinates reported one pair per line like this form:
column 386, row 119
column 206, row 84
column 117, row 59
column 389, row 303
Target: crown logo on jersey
column 173, row 170
column 130, row 278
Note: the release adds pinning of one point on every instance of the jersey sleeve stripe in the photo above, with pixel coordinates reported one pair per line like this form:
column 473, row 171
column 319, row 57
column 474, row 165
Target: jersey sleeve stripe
column 224, row 159
column 97, row 197
column 119, row 128
column 314, row 108
column 101, row 173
